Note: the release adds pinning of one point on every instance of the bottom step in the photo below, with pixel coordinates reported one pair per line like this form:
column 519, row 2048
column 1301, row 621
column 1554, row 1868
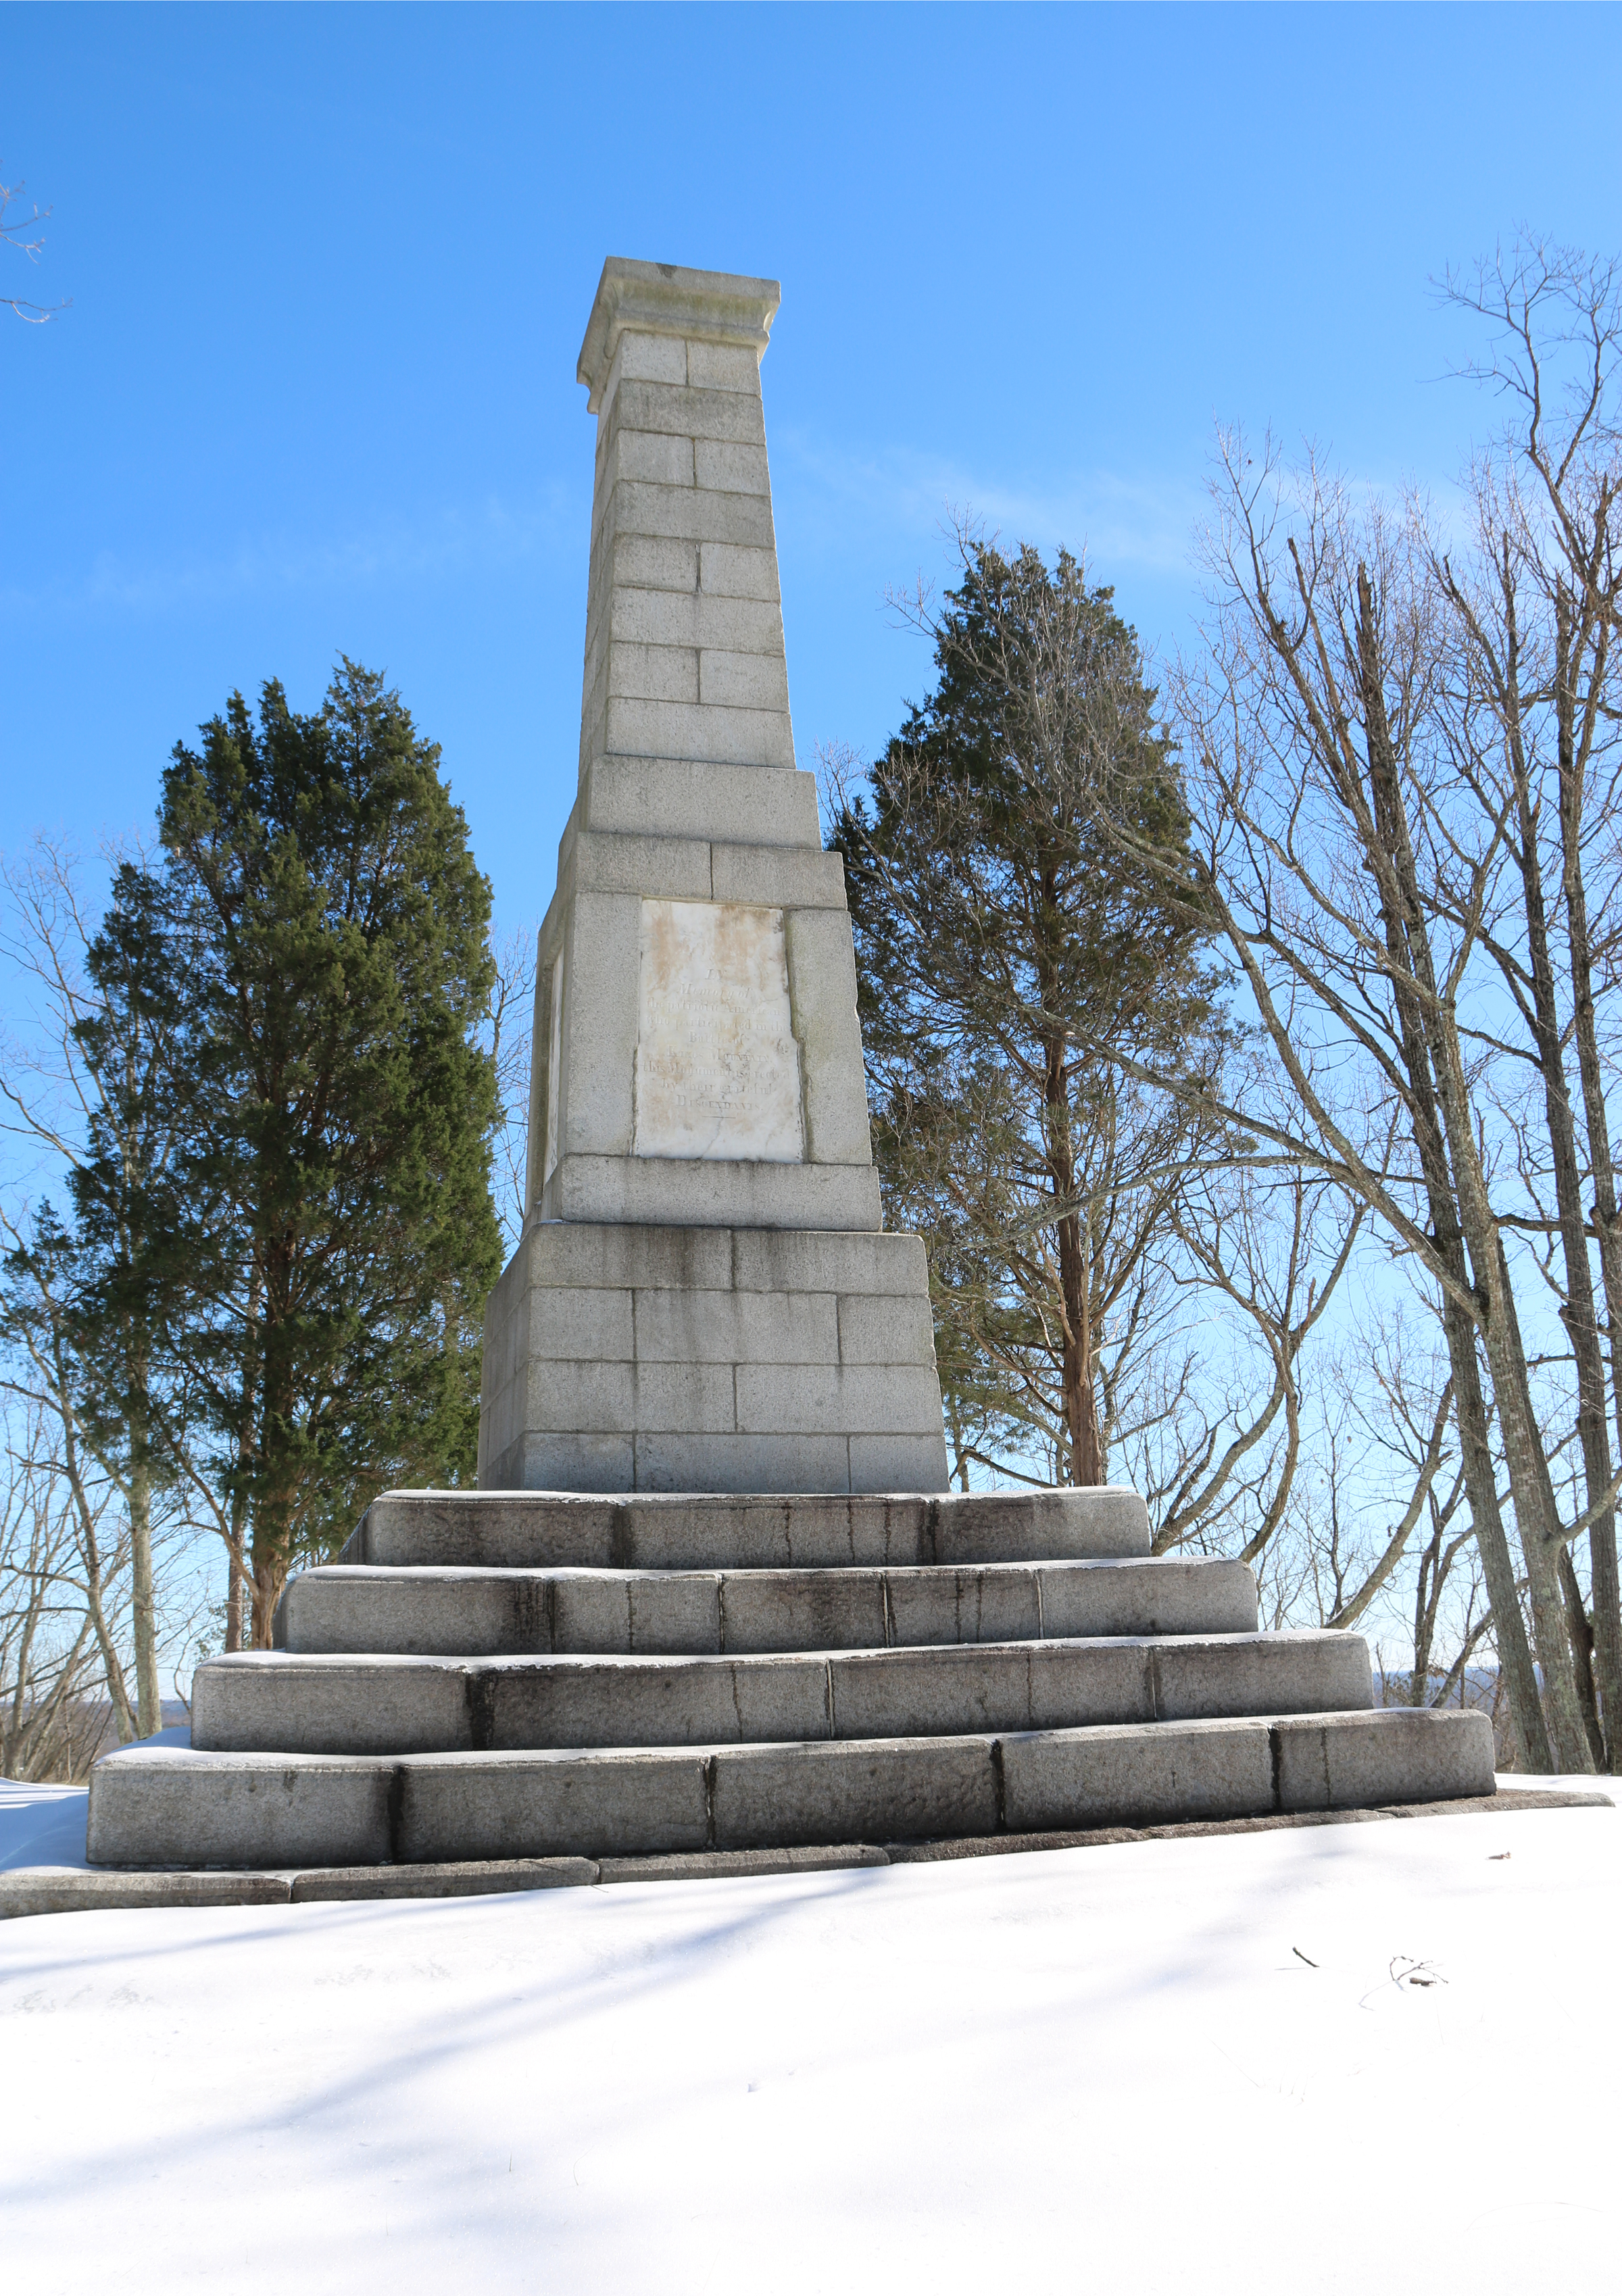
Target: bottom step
column 168, row 1806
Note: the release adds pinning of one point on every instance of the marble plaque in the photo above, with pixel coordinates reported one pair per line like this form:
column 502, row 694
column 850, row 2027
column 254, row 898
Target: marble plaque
column 717, row 1069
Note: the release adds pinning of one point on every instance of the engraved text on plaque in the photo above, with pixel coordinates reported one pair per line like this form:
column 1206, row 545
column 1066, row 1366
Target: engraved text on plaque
column 717, row 1069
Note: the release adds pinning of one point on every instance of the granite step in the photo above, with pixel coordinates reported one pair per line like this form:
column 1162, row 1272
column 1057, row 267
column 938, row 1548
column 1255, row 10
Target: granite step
column 721, row 1531
column 446, row 1611
column 279, row 1702
column 152, row 1807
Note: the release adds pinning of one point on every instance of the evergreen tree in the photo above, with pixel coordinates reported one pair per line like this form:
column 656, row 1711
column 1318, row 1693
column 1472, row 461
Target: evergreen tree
column 332, row 1237
column 990, row 914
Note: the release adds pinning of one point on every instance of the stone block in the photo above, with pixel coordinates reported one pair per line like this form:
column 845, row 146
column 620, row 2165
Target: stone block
column 269, row 1701
column 998, row 1603
column 652, row 673
column 772, row 1796
column 571, row 1326
column 580, row 1398
column 823, row 984
column 66, row 1890
column 1303, row 1672
column 746, row 627
column 775, row 1261
column 899, row 1462
column 731, row 570
column 427, row 1612
column 1392, row 1754
column 688, row 514
column 816, row 1398
column 779, row 876
column 802, row 1610
column 686, row 797
column 599, row 1024
column 172, row 1806
column 724, row 469
column 724, row 367
column 645, row 1257
column 556, row 1461
column 1039, row 1526
column 876, row 1330
column 942, row 1692
column 516, row 1529
column 641, row 357
column 649, row 456
column 668, row 1191
column 541, row 1805
column 1143, row 1774
column 659, row 868
column 728, row 1864
column 645, row 561
column 693, row 412
column 689, row 1399
column 664, row 1613
column 583, row 1702
column 670, row 1463
column 703, row 731
column 466, row 1878
column 728, row 1328
column 644, row 457
column 743, row 681
column 1161, row 1596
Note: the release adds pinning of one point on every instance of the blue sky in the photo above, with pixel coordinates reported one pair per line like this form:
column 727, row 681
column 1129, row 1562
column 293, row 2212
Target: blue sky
column 330, row 267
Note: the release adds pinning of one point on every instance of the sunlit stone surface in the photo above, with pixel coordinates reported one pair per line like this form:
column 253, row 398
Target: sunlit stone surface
column 717, row 1069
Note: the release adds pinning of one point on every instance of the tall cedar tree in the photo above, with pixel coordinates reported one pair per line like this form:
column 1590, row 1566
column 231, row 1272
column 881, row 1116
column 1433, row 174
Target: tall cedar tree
column 989, row 914
column 335, row 1237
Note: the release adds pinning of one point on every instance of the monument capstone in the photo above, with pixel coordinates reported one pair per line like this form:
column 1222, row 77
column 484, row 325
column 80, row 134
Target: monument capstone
column 704, row 1298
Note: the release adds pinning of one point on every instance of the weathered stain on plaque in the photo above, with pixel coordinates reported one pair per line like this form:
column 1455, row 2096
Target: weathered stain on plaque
column 717, row 1069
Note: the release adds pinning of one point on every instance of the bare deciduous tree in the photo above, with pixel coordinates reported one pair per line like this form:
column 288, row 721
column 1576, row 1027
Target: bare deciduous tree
column 15, row 230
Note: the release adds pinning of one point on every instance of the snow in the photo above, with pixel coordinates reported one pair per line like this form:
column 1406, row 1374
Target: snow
column 1085, row 2070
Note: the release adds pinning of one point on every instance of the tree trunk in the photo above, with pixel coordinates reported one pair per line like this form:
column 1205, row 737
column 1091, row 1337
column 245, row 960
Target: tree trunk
column 237, row 1579
column 1081, row 1401
column 269, row 1578
column 1086, row 1464
column 1580, row 1630
column 144, row 1613
column 1602, row 1533
column 1578, row 1316
column 1408, row 950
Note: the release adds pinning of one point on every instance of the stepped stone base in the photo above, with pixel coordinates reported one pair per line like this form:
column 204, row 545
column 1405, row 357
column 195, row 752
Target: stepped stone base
column 537, row 1675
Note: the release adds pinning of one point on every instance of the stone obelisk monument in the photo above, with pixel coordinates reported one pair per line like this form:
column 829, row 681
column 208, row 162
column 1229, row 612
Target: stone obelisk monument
column 704, row 1298
column 704, row 1314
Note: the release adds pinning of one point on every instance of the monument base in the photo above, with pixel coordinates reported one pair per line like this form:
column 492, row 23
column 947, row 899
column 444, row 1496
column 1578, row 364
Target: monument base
column 629, row 1357
column 514, row 1675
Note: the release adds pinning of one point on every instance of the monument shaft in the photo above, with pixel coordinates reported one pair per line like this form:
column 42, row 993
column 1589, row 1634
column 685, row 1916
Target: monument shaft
column 704, row 1298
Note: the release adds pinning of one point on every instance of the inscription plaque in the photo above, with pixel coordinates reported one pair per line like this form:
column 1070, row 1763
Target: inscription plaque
column 717, row 1069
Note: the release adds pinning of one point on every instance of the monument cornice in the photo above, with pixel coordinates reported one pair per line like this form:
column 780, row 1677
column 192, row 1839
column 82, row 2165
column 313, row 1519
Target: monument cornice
column 665, row 298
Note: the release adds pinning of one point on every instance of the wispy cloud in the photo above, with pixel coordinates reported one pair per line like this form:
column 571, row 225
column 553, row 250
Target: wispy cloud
column 1143, row 520
column 461, row 539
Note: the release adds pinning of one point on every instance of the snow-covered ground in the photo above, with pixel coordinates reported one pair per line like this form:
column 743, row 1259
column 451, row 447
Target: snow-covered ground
column 1191, row 2066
